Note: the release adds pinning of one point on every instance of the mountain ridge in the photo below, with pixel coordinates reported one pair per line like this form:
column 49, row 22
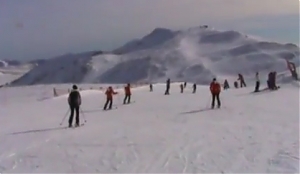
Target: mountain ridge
column 195, row 55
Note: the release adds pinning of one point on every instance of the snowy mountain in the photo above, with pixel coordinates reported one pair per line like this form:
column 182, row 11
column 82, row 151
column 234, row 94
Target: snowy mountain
column 250, row 133
column 195, row 55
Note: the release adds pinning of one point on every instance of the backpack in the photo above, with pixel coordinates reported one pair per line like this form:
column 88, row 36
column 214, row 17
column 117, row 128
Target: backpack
column 74, row 98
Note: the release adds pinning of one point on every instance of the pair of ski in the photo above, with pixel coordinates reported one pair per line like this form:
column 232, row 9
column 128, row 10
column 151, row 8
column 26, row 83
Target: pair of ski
column 208, row 109
column 116, row 107
column 265, row 90
column 215, row 108
column 113, row 108
column 74, row 127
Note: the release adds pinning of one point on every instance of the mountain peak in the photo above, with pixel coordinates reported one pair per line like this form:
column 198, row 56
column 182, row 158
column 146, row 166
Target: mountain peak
column 160, row 31
column 157, row 37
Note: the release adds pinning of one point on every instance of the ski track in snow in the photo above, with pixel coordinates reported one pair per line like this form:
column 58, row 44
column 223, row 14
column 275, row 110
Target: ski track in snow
column 172, row 134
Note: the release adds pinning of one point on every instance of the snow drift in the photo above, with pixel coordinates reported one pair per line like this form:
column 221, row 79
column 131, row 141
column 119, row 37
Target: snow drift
column 194, row 55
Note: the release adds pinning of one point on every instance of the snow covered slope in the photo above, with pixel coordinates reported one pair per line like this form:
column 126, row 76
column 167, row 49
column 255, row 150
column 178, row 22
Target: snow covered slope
column 11, row 73
column 251, row 133
column 63, row 69
column 7, row 78
column 194, row 55
column 12, row 69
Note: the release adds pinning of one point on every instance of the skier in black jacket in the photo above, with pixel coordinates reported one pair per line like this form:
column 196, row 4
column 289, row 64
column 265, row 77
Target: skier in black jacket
column 168, row 87
column 74, row 101
column 194, row 88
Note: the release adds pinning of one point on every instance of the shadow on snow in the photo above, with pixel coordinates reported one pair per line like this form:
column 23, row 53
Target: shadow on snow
column 38, row 130
column 263, row 91
column 196, row 111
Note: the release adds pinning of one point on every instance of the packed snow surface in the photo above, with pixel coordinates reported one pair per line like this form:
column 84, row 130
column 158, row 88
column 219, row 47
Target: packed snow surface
column 177, row 133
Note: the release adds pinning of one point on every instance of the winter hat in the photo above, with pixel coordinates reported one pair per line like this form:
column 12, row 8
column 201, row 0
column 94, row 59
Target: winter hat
column 75, row 87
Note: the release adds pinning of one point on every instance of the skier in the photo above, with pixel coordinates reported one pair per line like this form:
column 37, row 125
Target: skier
column 168, row 87
column 74, row 101
column 226, row 84
column 257, row 82
column 184, row 84
column 236, row 84
column 215, row 90
column 242, row 81
column 292, row 68
column 181, row 88
column 109, row 97
column 272, row 81
column 269, row 81
column 194, row 88
column 127, row 94
column 275, row 87
column 151, row 87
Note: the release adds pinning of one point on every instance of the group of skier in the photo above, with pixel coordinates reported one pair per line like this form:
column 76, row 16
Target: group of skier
column 271, row 82
column 74, row 101
column 182, row 87
column 215, row 90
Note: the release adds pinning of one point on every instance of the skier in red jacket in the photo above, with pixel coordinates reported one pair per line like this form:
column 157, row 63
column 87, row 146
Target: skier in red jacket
column 215, row 89
column 109, row 97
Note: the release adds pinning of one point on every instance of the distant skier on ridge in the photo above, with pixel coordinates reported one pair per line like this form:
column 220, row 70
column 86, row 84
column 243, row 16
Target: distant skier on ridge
column 74, row 101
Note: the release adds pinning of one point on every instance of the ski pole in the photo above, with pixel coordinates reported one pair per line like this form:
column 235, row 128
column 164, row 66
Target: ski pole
column 82, row 113
column 208, row 102
column 65, row 116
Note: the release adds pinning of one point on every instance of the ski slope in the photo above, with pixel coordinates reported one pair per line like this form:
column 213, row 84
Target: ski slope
column 177, row 134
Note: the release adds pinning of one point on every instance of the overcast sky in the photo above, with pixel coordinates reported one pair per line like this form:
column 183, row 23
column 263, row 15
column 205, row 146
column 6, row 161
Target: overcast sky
column 31, row 29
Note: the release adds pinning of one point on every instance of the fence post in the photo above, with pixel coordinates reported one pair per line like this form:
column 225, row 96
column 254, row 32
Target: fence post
column 55, row 92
